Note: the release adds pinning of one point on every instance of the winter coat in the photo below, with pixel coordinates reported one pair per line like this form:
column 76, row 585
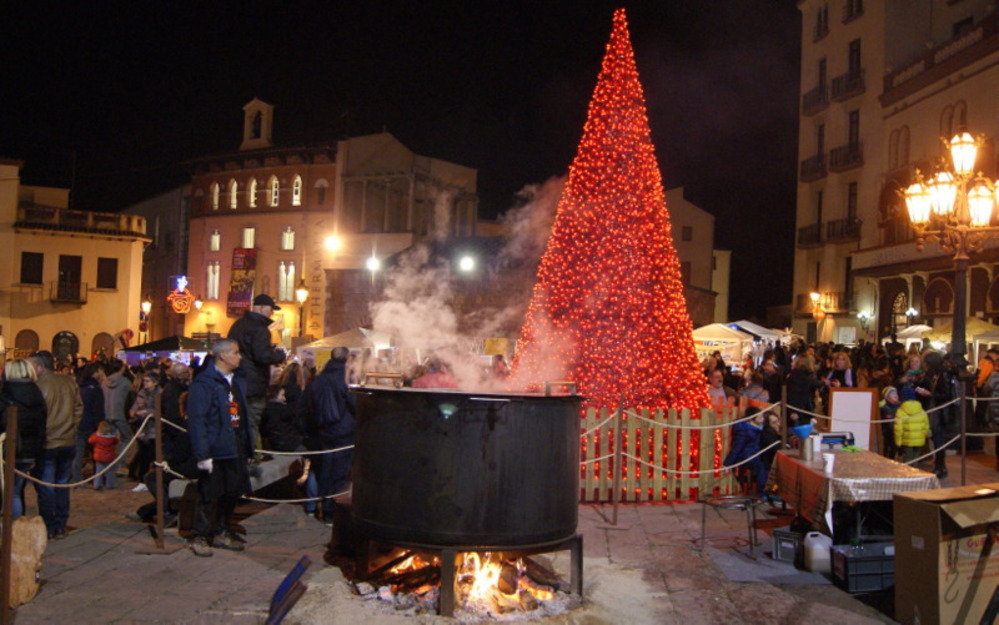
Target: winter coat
column 93, row 405
column 745, row 442
column 912, row 425
column 327, row 408
column 281, row 427
column 208, row 420
column 116, row 387
column 65, row 409
column 801, row 387
column 252, row 332
column 32, row 417
column 992, row 390
column 105, row 447
column 144, row 406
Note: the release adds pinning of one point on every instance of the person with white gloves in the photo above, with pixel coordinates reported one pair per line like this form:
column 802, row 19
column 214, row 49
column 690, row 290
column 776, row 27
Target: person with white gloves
column 222, row 445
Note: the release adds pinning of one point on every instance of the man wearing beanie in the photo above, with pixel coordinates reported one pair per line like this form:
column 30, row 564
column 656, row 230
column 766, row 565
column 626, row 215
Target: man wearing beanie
column 912, row 425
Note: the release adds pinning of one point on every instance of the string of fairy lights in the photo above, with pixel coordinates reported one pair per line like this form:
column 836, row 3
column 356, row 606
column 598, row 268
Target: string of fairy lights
column 608, row 303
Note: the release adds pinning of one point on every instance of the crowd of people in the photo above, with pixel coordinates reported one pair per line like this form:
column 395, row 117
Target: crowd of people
column 916, row 387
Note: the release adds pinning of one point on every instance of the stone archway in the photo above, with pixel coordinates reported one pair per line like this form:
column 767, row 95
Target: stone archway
column 939, row 298
column 65, row 346
column 26, row 340
column 103, row 342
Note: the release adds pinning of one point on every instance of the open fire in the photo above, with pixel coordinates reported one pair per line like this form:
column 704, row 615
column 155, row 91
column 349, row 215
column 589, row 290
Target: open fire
column 488, row 585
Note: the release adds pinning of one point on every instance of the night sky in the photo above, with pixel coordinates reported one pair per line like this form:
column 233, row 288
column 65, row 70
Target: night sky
column 111, row 96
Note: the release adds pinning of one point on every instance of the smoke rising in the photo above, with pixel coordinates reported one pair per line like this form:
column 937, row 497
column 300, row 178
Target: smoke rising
column 418, row 307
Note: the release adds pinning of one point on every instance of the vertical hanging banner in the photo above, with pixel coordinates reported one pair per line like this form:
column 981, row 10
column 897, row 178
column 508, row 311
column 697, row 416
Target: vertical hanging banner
column 242, row 276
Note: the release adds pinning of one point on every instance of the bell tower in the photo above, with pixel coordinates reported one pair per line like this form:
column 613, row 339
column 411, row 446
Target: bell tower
column 258, row 124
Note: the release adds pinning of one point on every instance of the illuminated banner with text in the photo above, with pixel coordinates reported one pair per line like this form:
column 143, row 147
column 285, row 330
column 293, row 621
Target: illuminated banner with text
column 244, row 272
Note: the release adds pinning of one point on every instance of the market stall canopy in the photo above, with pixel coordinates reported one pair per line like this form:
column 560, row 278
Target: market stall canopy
column 171, row 344
column 974, row 326
column 912, row 332
column 756, row 330
column 732, row 343
column 354, row 339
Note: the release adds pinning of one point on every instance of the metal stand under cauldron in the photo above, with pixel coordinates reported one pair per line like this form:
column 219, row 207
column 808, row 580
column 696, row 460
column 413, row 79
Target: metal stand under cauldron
column 452, row 471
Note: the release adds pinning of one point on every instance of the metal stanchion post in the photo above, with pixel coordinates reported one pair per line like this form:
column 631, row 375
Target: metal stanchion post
column 161, row 497
column 616, row 483
column 964, row 431
column 9, row 454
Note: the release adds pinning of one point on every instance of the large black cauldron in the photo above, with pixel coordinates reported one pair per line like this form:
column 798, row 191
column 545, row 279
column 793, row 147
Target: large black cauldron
column 449, row 468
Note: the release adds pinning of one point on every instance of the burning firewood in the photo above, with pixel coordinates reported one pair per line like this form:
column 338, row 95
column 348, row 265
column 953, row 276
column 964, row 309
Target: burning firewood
column 539, row 570
column 414, row 579
column 507, row 582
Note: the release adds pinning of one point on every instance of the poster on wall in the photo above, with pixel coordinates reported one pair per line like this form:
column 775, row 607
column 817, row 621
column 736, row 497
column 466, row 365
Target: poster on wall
column 244, row 272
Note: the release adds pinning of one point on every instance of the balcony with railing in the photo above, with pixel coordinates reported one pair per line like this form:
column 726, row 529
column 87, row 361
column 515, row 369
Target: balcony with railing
column 846, row 157
column 41, row 217
column 840, row 230
column 813, row 168
column 830, row 302
column 947, row 58
column 68, row 292
column 810, row 236
column 848, row 85
column 815, row 101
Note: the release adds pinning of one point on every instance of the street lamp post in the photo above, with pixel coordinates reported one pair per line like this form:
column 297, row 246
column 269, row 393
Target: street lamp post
column 301, row 295
column 954, row 208
column 147, row 307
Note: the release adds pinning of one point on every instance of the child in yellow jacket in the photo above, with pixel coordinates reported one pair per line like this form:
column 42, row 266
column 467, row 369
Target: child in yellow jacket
column 912, row 425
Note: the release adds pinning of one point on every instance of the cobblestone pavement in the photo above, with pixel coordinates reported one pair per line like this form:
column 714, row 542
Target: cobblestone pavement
column 650, row 570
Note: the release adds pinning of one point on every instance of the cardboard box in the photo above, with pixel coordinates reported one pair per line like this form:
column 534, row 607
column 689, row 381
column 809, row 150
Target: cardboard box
column 947, row 555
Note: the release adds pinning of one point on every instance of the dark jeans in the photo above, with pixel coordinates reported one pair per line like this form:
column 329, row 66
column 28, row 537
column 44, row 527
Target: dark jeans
column 331, row 471
column 82, row 447
column 55, row 467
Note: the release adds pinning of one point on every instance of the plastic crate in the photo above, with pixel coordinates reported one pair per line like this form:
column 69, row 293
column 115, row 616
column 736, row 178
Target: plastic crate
column 864, row 568
column 788, row 545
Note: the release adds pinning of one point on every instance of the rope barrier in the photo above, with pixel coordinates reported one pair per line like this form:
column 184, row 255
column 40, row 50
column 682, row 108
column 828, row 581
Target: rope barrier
column 729, row 467
column 716, row 426
column 934, row 452
column 599, row 425
column 306, row 500
column 591, row 460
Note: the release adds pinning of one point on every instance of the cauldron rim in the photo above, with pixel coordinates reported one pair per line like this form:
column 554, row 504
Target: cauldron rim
column 465, row 392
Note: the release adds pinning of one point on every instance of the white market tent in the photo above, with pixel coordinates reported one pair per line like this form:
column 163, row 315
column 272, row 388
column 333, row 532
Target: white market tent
column 910, row 335
column 764, row 334
column 983, row 341
column 354, row 339
column 733, row 344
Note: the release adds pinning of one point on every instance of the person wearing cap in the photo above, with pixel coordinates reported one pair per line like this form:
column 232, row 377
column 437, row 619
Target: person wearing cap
column 252, row 332
column 889, row 406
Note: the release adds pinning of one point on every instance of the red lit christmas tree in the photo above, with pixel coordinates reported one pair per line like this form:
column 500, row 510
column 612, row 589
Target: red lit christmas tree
column 608, row 309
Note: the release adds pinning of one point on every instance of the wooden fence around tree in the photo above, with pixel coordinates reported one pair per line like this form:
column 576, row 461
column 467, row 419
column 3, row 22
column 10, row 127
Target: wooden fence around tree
column 681, row 461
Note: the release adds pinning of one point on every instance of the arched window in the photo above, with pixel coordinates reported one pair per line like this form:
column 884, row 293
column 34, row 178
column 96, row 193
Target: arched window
column 296, row 191
column 251, row 193
column 215, row 242
column 212, row 280
column 947, row 122
column 903, row 146
column 288, row 239
column 26, row 340
column 321, row 186
column 893, row 150
column 274, row 191
column 214, row 191
column 233, row 194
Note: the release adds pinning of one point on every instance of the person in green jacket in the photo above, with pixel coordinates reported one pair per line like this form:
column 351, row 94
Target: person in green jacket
column 912, row 425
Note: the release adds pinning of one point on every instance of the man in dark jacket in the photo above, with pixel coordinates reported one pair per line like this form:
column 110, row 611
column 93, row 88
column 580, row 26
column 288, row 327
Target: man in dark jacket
column 221, row 443
column 93, row 413
column 252, row 332
column 328, row 413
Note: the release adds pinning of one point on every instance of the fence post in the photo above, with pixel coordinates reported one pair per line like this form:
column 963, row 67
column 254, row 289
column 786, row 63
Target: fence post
column 6, row 549
column 616, row 482
column 964, row 430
